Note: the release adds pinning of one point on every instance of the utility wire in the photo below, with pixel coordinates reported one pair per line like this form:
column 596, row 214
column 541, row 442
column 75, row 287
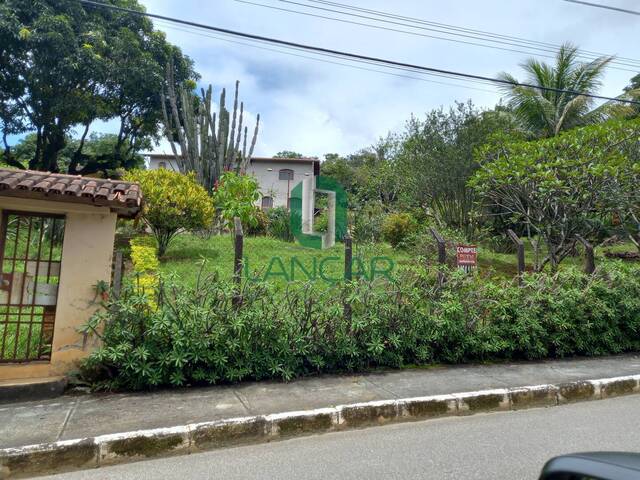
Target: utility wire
column 350, row 55
column 480, row 33
column 196, row 32
column 470, row 35
column 608, row 7
column 390, row 29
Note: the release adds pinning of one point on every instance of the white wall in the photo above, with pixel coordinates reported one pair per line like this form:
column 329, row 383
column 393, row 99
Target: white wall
column 267, row 174
column 154, row 163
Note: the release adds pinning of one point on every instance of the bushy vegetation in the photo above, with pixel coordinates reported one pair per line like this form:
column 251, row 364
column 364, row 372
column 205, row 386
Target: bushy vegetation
column 564, row 186
column 279, row 224
column 397, row 227
column 234, row 196
column 172, row 202
column 196, row 335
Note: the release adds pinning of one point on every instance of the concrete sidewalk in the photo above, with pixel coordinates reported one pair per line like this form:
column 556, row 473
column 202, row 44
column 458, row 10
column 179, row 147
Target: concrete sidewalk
column 72, row 417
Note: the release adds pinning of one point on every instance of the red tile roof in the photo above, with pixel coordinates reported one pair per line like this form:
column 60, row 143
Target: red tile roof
column 123, row 198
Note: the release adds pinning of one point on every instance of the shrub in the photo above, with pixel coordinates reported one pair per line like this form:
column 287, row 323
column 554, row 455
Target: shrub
column 235, row 196
column 280, row 224
column 321, row 222
column 198, row 336
column 261, row 224
column 424, row 245
column 397, row 227
column 367, row 223
column 144, row 257
column 172, row 202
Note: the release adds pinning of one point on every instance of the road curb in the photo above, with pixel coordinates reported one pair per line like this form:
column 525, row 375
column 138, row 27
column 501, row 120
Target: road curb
column 84, row 453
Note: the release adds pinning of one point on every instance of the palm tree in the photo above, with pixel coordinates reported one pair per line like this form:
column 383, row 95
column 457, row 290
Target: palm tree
column 546, row 113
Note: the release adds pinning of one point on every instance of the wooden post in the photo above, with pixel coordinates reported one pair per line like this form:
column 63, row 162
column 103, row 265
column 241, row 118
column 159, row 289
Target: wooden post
column 348, row 271
column 589, row 261
column 519, row 252
column 348, row 258
column 117, row 274
column 237, row 260
column 442, row 247
column 442, row 252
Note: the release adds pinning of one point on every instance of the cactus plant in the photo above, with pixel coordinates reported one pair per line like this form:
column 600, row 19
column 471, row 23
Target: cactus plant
column 201, row 140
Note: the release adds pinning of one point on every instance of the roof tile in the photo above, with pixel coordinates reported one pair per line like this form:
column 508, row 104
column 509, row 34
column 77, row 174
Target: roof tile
column 124, row 198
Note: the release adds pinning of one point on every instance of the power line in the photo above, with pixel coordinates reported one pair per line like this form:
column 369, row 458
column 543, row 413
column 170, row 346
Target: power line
column 350, row 55
column 455, row 31
column 316, row 58
column 195, row 32
column 481, row 33
column 379, row 27
column 608, row 7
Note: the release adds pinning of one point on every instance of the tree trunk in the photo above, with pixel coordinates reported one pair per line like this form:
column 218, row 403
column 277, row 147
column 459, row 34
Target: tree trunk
column 37, row 157
column 77, row 155
column 7, row 156
column 52, row 141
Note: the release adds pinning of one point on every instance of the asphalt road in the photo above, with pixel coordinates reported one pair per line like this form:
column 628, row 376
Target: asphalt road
column 509, row 445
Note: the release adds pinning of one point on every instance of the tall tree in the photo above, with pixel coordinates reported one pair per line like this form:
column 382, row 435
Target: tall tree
column 563, row 186
column 66, row 66
column 437, row 160
column 546, row 113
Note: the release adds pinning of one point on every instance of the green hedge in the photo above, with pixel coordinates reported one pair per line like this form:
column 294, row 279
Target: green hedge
column 198, row 336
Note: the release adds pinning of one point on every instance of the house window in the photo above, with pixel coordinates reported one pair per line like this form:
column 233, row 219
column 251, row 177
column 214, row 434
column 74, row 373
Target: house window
column 267, row 202
column 285, row 174
column 162, row 165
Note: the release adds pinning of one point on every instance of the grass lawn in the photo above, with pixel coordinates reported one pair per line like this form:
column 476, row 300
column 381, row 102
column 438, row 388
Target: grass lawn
column 275, row 260
column 272, row 259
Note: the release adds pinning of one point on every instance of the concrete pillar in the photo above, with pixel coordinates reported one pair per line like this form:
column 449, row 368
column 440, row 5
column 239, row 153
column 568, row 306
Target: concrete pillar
column 308, row 204
column 329, row 238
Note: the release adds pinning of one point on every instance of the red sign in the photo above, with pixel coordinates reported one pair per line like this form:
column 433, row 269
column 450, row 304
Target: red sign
column 467, row 255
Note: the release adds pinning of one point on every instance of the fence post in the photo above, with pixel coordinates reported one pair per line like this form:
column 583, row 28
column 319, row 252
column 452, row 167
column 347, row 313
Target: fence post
column 442, row 247
column 348, row 271
column 519, row 252
column 442, row 252
column 117, row 274
column 348, row 257
column 237, row 260
column 590, row 261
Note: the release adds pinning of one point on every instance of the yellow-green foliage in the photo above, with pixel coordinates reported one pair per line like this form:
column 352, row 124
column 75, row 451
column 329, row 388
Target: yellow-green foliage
column 145, row 264
column 172, row 202
column 396, row 227
column 144, row 258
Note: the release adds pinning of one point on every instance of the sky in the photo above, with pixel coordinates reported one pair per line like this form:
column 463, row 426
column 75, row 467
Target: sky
column 316, row 108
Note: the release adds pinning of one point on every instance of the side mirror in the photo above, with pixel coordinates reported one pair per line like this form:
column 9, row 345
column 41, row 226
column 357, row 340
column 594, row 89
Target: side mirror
column 593, row 466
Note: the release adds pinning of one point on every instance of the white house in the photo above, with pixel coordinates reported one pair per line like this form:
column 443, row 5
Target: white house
column 276, row 176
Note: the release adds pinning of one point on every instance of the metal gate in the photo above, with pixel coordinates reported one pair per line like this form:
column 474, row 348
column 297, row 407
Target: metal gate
column 30, row 258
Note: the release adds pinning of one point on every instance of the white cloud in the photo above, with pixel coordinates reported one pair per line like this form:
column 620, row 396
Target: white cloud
column 316, row 108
